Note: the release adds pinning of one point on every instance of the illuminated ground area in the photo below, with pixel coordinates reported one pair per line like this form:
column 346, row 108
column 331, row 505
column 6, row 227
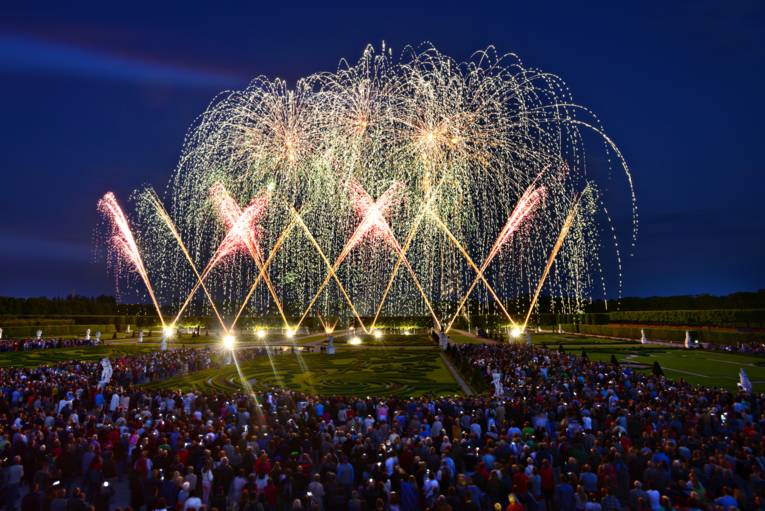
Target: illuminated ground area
column 408, row 365
column 360, row 371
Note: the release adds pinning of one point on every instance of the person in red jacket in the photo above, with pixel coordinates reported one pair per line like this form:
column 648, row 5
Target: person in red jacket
column 548, row 483
column 520, row 482
column 262, row 464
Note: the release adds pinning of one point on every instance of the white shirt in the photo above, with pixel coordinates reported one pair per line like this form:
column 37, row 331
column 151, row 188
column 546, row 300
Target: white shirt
column 115, row 402
column 430, row 487
column 192, row 503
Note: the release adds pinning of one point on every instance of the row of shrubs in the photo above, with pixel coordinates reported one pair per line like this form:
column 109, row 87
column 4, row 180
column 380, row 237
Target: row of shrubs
column 29, row 331
column 666, row 334
column 120, row 322
column 10, row 322
column 719, row 317
column 735, row 318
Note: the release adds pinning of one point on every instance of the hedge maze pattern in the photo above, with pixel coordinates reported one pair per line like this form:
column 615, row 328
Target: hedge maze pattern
column 359, row 372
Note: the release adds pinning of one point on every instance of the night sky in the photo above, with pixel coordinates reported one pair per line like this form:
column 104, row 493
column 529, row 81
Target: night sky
column 101, row 99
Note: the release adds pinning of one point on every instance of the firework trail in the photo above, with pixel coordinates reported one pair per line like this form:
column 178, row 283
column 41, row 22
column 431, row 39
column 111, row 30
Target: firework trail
column 123, row 243
column 521, row 213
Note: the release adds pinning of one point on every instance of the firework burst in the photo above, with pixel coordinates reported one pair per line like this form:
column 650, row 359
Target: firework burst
column 440, row 162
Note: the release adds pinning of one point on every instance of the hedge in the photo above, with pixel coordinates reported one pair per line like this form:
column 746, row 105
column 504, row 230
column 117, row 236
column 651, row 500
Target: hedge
column 34, row 322
column 671, row 335
column 56, row 330
column 716, row 317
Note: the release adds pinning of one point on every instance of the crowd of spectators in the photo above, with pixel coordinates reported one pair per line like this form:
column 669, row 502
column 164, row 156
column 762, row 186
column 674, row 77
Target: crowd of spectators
column 42, row 344
column 566, row 434
column 745, row 348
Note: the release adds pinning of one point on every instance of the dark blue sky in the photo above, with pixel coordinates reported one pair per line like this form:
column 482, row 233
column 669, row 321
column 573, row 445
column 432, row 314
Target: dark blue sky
column 101, row 99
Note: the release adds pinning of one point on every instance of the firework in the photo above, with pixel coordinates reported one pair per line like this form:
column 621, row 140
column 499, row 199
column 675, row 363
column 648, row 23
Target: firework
column 417, row 161
column 124, row 244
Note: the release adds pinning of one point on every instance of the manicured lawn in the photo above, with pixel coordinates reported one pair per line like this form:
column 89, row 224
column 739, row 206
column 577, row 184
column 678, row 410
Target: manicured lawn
column 461, row 338
column 404, row 365
column 35, row 358
column 703, row 367
column 351, row 371
column 700, row 367
column 401, row 340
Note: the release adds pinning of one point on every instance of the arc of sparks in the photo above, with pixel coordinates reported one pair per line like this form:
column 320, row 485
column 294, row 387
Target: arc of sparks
column 243, row 225
column 366, row 206
column 231, row 243
column 553, row 254
column 332, row 273
column 124, row 243
column 165, row 217
column 373, row 224
column 431, row 196
column 325, row 325
column 472, row 264
column 266, row 264
column 524, row 208
column 243, row 234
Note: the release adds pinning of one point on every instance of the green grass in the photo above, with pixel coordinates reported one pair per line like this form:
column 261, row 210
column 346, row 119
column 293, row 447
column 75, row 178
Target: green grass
column 406, row 365
column 708, row 368
column 352, row 371
column 461, row 338
column 401, row 340
column 35, row 358
column 701, row 367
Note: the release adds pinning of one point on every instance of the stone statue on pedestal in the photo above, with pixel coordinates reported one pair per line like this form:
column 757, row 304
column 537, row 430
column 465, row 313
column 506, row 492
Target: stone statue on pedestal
column 443, row 340
column 106, row 372
column 744, row 382
column 496, row 380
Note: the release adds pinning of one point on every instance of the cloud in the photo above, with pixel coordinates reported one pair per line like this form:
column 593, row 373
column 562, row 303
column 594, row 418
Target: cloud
column 22, row 54
column 29, row 248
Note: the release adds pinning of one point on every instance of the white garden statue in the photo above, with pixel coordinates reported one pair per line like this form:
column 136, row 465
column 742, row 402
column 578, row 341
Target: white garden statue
column 38, row 334
column 443, row 340
column 98, row 336
column 87, row 334
column 140, row 337
column 688, row 341
column 744, row 383
column 643, row 338
column 496, row 380
column 330, row 345
column 1, row 333
column 106, row 372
